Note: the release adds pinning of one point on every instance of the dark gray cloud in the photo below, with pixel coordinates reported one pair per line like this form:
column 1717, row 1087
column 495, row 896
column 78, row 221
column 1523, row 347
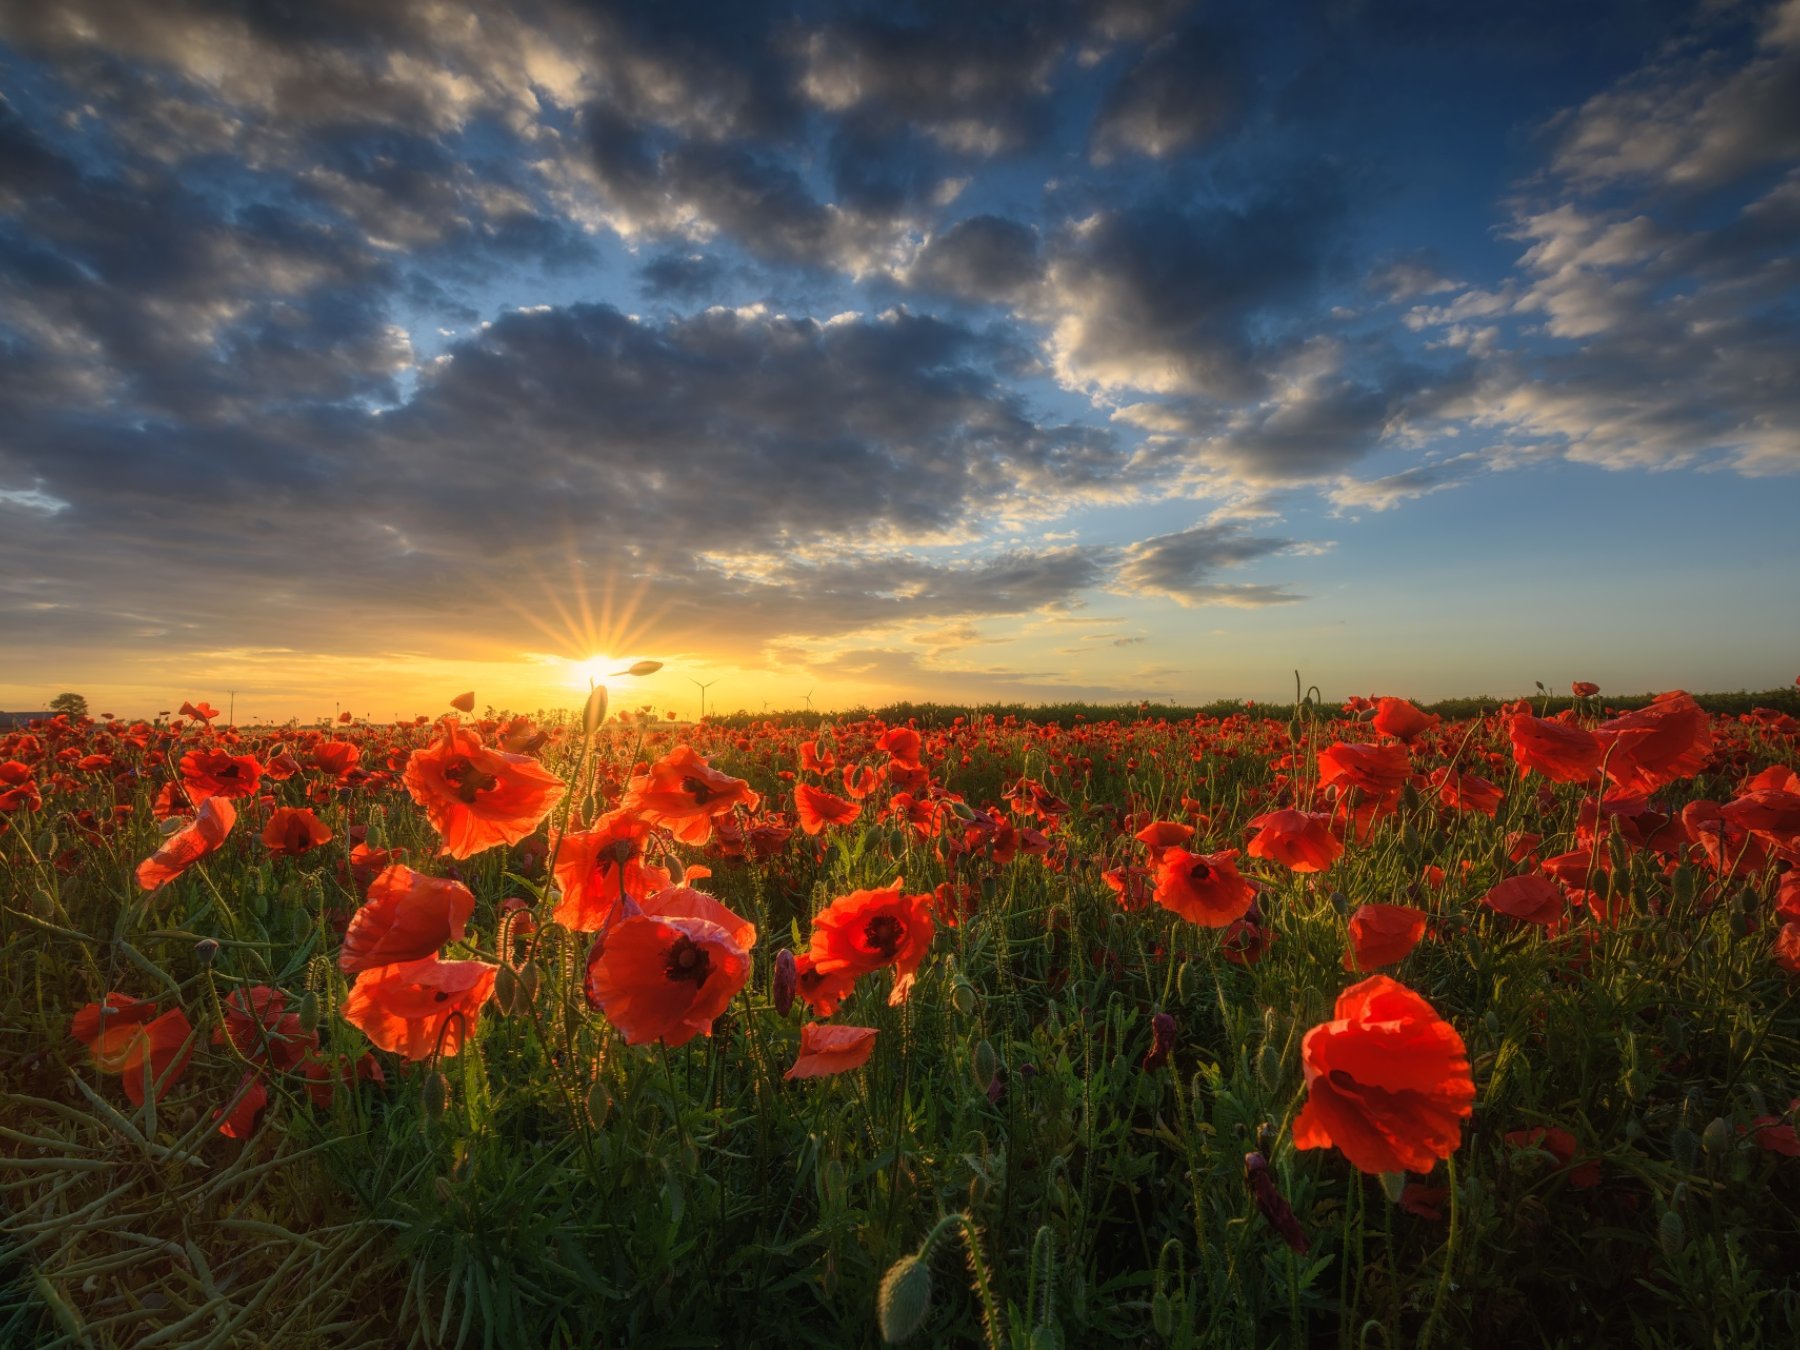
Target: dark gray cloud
column 1181, row 566
column 986, row 258
column 1169, row 297
column 1185, row 90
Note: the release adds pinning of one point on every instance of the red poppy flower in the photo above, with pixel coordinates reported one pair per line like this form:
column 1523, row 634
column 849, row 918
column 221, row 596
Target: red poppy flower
column 813, row 761
column 1299, row 840
column 1380, row 770
column 1652, row 747
column 1131, row 884
column 293, row 830
column 826, row 1049
column 822, row 992
column 188, row 845
column 816, row 808
column 1531, row 898
column 1203, row 888
column 476, row 797
column 262, row 1030
column 1163, row 834
column 594, row 868
column 665, row 978
column 1402, row 720
column 464, row 702
column 240, row 1117
column 122, row 1034
column 407, row 917
column 419, row 1008
column 1787, row 947
column 1562, row 752
column 217, row 773
column 902, row 743
column 1561, row 1146
column 685, row 793
column 1466, row 792
column 1388, row 1081
column 866, row 930
column 684, row 902
column 1584, row 688
column 1380, row 935
column 1771, row 816
column 860, row 780
column 336, row 758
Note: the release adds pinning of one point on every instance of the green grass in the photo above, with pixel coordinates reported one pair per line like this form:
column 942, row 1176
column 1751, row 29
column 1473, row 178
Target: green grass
column 577, row 1191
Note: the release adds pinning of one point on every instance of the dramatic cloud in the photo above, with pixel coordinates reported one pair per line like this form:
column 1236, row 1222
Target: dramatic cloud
column 1180, row 567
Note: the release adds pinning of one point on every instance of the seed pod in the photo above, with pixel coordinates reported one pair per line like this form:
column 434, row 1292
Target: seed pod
column 206, row 951
column 905, row 1299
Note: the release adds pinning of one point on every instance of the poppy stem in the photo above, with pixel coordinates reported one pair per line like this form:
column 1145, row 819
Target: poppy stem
column 1443, row 1287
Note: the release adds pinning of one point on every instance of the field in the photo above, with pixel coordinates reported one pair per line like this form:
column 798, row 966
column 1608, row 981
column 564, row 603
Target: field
column 1313, row 1025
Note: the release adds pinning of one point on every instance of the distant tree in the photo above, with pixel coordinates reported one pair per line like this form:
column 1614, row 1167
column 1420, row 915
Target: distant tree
column 72, row 704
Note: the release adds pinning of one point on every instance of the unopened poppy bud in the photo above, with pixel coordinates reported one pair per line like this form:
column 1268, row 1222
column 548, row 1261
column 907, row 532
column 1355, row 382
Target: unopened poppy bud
column 1671, row 1234
column 206, row 951
column 442, row 1186
column 1273, row 1206
column 905, row 1299
column 434, row 1095
column 531, row 978
column 594, row 712
column 506, row 991
column 1162, row 1314
column 962, row 811
column 962, row 997
column 308, row 1012
column 785, row 983
column 1716, row 1139
column 43, row 904
column 1268, row 1065
column 986, row 1064
column 676, row 869
column 1045, row 1338
column 1491, row 1020
column 46, row 844
column 1684, row 1147
column 1410, row 837
column 1162, row 1041
column 1392, row 1184
column 1341, row 903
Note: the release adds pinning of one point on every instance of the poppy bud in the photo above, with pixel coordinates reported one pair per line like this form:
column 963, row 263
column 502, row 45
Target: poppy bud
column 46, row 844
column 1341, row 903
column 986, row 1064
column 1716, row 1139
column 434, row 1095
column 1671, row 1233
column 1046, row 1338
column 786, row 981
column 1392, row 1184
column 442, row 1186
column 43, row 905
column 1162, row 1314
column 206, row 951
column 594, row 712
column 1684, row 884
column 531, row 976
column 1162, row 1041
column 506, row 991
column 676, row 869
column 962, row 997
column 1269, row 1066
column 831, row 1185
column 905, row 1299
column 1618, row 852
column 1273, row 1206
column 308, row 1012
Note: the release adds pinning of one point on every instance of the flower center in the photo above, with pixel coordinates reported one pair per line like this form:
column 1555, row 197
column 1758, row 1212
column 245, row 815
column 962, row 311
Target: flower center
column 1199, row 872
column 467, row 780
column 883, row 934
column 694, row 788
column 689, row 961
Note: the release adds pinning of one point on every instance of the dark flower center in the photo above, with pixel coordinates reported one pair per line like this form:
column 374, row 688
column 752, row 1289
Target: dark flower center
column 694, row 788
column 622, row 851
column 688, row 960
column 1341, row 1080
column 883, row 934
column 1199, row 872
column 467, row 780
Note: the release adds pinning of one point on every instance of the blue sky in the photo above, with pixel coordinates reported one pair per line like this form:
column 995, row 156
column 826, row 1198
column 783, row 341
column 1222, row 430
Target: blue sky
column 1120, row 349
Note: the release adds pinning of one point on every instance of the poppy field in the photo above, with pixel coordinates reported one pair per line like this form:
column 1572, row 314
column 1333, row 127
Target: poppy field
column 1343, row 1024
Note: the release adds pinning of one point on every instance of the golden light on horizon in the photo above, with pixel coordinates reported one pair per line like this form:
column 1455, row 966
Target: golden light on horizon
column 585, row 674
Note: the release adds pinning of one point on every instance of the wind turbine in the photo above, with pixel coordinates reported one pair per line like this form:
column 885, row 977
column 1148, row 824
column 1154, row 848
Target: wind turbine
column 703, row 688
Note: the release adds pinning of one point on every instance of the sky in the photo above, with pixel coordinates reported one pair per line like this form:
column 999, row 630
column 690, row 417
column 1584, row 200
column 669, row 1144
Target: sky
column 352, row 355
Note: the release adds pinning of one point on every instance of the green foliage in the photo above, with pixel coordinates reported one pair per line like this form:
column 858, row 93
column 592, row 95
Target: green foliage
column 1004, row 1150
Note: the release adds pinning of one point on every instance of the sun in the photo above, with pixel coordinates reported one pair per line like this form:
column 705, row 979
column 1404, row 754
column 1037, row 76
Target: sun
column 585, row 674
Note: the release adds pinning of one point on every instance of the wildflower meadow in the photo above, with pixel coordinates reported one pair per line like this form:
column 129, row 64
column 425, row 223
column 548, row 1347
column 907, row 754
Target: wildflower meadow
column 1324, row 1024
